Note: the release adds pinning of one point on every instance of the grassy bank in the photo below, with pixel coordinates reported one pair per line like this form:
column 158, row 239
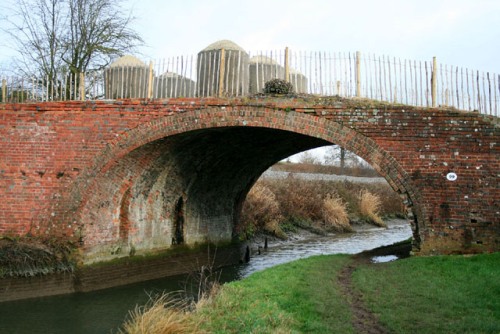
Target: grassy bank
column 282, row 300
column 278, row 206
column 445, row 294
column 453, row 294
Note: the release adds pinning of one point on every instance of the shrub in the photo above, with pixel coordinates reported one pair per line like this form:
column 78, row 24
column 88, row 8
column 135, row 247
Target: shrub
column 335, row 215
column 369, row 206
column 278, row 86
column 260, row 211
column 279, row 205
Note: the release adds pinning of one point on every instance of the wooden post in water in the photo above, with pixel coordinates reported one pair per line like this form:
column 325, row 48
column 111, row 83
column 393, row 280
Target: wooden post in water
column 222, row 72
column 247, row 254
column 434, row 82
column 358, row 74
column 287, row 65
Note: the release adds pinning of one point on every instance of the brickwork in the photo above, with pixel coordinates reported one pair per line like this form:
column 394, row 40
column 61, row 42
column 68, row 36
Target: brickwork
column 109, row 174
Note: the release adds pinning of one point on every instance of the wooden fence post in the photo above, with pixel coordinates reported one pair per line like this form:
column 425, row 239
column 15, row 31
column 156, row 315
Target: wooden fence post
column 4, row 90
column 150, row 81
column 434, row 82
column 287, row 65
column 82, row 86
column 358, row 74
column 222, row 72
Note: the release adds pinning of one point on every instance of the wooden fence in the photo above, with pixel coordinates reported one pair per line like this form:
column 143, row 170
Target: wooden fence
column 238, row 73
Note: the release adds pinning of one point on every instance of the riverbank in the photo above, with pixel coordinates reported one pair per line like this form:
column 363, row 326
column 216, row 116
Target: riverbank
column 122, row 271
column 282, row 206
column 351, row 294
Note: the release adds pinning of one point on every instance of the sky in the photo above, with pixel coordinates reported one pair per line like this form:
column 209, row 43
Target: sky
column 458, row 32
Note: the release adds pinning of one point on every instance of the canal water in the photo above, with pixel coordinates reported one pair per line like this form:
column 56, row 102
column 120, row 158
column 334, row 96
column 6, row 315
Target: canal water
column 105, row 310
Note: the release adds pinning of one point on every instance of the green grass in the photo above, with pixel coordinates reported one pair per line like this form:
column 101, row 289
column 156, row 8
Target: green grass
column 446, row 294
column 299, row 297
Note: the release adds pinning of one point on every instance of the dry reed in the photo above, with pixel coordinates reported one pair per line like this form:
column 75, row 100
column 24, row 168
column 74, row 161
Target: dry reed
column 335, row 214
column 369, row 206
column 166, row 314
column 261, row 210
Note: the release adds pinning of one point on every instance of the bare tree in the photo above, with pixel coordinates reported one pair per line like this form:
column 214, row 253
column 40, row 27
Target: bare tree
column 69, row 36
column 308, row 158
column 36, row 30
column 339, row 154
column 97, row 32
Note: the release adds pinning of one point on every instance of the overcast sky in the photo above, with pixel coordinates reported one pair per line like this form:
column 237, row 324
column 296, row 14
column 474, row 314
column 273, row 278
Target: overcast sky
column 458, row 32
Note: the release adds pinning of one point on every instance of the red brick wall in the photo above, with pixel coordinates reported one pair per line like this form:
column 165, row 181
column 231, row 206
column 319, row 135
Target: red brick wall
column 65, row 167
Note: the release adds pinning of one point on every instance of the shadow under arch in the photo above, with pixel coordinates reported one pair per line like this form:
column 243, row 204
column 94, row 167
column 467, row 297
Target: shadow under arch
column 210, row 157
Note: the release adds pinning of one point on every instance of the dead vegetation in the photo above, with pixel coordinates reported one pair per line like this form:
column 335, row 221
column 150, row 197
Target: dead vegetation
column 335, row 214
column 277, row 206
column 369, row 207
column 30, row 256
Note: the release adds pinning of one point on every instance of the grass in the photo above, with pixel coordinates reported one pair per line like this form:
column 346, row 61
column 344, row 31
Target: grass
column 162, row 315
column 448, row 294
column 335, row 214
column 274, row 205
column 30, row 256
column 283, row 299
column 445, row 294
column 262, row 211
column 369, row 207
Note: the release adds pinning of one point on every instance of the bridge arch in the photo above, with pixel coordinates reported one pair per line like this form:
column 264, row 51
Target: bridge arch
column 208, row 159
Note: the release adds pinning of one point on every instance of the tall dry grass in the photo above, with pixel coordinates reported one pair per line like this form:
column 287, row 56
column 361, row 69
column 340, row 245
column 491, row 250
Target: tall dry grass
column 369, row 206
column 166, row 314
column 282, row 203
column 335, row 216
column 261, row 211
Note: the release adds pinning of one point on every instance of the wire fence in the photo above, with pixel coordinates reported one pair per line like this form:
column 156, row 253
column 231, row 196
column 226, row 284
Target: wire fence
column 235, row 73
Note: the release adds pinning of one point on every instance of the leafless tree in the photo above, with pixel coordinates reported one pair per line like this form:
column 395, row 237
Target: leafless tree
column 69, row 36
column 335, row 154
column 308, row 158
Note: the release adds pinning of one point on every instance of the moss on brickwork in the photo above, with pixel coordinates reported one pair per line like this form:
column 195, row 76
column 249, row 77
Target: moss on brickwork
column 160, row 254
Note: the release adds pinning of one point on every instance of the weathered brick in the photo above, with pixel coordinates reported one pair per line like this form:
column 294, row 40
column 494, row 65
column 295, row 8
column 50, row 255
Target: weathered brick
column 110, row 173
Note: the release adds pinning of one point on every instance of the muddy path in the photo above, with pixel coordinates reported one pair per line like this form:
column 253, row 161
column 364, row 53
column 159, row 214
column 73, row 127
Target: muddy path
column 364, row 321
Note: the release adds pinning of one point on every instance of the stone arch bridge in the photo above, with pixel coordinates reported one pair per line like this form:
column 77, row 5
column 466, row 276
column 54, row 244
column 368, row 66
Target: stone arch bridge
column 149, row 173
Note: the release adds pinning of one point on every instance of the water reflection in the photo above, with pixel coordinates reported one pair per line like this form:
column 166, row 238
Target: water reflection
column 104, row 311
column 384, row 258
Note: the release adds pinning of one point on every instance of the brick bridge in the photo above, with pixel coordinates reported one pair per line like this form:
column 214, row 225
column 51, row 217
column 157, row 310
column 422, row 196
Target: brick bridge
column 144, row 174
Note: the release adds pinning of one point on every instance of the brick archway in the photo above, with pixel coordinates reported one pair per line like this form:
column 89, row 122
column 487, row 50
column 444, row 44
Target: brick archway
column 65, row 166
column 211, row 158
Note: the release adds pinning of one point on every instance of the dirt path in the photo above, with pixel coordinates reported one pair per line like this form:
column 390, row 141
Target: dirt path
column 363, row 320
